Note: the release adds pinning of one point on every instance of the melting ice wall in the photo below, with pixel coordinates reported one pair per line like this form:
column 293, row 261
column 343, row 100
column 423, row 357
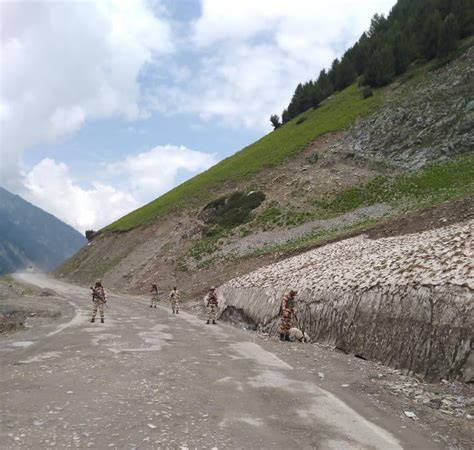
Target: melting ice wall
column 407, row 301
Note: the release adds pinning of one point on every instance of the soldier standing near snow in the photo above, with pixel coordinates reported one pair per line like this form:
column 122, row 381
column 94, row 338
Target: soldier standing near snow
column 99, row 299
column 211, row 304
column 174, row 299
column 154, row 295
column 286, row 314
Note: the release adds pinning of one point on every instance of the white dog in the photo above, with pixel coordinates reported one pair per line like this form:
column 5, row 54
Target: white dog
column 297, row 335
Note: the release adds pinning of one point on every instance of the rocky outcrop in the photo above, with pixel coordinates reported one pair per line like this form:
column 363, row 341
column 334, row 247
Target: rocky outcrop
column 420, row 122
column 407, row 301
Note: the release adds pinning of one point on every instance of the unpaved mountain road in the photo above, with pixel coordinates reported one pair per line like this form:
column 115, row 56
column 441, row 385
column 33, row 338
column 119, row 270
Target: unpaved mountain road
column 150, row 379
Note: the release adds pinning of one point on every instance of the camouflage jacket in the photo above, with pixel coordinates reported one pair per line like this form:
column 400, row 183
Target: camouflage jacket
column 174, row 295
column 99, row 295
column 288, row 301
column 211, row 299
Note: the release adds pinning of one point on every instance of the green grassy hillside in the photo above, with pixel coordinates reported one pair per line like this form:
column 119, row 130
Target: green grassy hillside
column 334, row 114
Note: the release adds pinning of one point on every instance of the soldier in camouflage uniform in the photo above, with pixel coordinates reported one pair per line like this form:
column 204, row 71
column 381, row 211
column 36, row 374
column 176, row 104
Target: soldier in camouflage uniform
column 211, row 305
column 99, row 299
column 174, row 299
column 154, row 295
column 286, row 314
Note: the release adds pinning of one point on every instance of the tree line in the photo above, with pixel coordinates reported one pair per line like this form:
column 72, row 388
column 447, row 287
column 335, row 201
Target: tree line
column 415, row 30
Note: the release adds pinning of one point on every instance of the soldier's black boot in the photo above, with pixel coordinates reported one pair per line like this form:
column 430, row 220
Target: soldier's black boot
column 151, row 306
column 282, row 336
column 207, row 323
column 92, row 320
column 213, row 322
column 287, row 337
column 102, row 320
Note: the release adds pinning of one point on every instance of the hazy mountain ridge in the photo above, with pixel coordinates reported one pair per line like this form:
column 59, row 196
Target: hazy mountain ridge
column 31, row 236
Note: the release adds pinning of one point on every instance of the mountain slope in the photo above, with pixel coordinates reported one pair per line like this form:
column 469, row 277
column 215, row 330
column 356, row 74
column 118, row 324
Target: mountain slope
column 343, row 167
column 272, row 150
column 29, row 235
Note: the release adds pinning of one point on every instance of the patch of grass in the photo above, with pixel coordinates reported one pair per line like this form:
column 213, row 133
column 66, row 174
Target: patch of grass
column 312, row 239
column 434, row 184
column 335, row 113
column 181, row 264
column 204, row 246
column 270, row 214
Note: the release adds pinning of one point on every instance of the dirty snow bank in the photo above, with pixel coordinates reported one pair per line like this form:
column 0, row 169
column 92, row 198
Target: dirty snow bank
column 407, row 301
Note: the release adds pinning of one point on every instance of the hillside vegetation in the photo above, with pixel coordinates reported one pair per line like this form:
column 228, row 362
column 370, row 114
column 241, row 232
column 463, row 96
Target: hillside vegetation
column 414, row 31
column 336, row 113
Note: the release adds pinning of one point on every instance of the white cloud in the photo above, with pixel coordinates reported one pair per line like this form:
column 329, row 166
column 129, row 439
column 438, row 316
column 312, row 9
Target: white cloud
column 51, row 186
column 260, row 50
column 138, row 179
column 63, row 63
column 154, row 172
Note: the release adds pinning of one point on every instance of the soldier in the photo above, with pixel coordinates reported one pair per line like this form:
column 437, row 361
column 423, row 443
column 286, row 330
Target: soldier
column 287, row 313
column 174, row 299
column 154, row 295
column 211, row 304
column 99, row 299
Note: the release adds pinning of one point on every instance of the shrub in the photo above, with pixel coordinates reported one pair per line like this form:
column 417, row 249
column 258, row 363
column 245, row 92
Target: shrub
column 232, row 210
column 89, row 234
column 300, row 120
column 367, row 92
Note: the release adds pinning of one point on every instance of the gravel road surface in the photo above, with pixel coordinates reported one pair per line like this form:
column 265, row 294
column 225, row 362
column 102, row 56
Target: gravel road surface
column 149, row 379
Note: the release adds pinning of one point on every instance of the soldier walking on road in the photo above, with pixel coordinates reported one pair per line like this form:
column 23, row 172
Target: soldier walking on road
column 99, row 299
column 211, row 304
column 286, row 314
column 174, row 299
column 154, row 295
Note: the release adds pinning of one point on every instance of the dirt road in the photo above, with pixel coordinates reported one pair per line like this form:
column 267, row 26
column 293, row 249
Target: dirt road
column 150, row 379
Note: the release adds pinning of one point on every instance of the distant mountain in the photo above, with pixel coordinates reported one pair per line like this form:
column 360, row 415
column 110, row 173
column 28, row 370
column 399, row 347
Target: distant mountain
column 31, row 236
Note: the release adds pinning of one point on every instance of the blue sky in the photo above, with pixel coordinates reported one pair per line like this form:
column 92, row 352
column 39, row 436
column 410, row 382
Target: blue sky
column 105, row 105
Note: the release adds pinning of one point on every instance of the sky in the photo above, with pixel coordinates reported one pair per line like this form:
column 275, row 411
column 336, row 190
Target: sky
column 107, row 104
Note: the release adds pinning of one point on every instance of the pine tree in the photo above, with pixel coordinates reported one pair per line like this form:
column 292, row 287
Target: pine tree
column 381, row 68
column 360, row 54
column 430, row 35
column 324, row 85
column 332, row 72
column 448, row 36
column 401, row 53
column 345, row 74
column 316, row 96
column 377, row 25
column 464, row 12
column 414, row 29
column 275, row 120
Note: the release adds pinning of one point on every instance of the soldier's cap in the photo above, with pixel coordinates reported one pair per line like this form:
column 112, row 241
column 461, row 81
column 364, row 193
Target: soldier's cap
column 293, row 292
column 98, row 283
column 213, row 288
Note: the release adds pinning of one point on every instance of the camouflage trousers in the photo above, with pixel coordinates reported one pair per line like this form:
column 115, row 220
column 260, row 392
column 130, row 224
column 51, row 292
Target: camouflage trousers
column 285, row 325
column 98, row 305
column 154, row 300
column 211, row 312
column 175, row 306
